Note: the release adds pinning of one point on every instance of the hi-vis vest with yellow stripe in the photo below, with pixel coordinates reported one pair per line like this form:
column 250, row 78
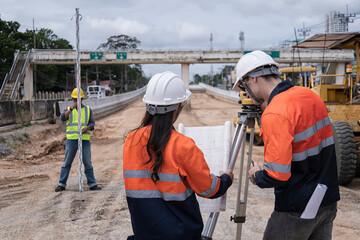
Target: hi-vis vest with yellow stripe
column 72, row 123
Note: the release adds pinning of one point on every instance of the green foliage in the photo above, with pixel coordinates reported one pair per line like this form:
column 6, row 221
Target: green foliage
column 129, row 77
column 10, row 41
column 26, row 135
column 48, row 77
column 219, row 79
column 120, row 42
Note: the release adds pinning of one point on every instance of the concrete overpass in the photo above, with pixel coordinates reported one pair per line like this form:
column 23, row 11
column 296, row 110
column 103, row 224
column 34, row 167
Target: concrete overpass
column 337, row 58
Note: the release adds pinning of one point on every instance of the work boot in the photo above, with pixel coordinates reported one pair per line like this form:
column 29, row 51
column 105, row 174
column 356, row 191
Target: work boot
column 59, row 189
column 94, row 188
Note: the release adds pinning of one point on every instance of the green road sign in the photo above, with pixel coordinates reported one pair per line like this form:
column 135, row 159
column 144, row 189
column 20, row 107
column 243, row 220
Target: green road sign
column 121, row 55
column 273, row 54
column 96, row 55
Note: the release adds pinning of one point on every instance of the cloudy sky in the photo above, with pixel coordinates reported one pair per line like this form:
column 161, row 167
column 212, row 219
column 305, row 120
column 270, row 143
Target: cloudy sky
column 180, row 24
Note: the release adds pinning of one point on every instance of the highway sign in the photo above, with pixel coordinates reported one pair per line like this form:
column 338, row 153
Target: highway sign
column 96, row 55
column 121, row 55
column 273, row 54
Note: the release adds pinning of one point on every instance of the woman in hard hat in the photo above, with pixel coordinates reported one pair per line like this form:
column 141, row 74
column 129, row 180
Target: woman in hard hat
column 163, row 169
column 70, row 116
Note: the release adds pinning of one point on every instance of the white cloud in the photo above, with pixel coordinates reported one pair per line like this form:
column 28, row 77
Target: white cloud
column 117, row 26
column 189, row 31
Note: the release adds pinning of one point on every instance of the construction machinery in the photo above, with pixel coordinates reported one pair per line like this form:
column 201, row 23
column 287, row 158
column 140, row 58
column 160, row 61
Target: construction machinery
column 341, row 95
column 343, row 103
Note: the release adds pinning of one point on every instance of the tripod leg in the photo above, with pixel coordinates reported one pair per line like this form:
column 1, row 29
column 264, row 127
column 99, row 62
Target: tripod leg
column 241, row 204
column 210, row 226
column 239, row 136
column 238, row 211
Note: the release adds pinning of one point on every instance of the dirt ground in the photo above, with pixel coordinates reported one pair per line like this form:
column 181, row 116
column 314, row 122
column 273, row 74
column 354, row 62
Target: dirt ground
column 31, row 209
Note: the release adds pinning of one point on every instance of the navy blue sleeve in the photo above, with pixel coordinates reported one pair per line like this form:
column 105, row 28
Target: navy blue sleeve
column 62, row 116
column 263, row 180
column 91, row 121
column 225, row 183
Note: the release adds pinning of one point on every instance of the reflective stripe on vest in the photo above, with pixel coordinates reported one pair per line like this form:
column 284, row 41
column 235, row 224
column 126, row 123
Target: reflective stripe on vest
column 72, row 123
column 152, row 193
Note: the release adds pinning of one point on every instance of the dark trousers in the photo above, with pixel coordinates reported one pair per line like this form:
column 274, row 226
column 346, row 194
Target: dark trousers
column 289, row 225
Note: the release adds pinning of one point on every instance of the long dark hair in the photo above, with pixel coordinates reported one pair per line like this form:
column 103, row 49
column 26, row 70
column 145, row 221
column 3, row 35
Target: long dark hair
column 162, row 124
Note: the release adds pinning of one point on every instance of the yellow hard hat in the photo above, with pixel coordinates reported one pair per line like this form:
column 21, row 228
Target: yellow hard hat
column 74, row 93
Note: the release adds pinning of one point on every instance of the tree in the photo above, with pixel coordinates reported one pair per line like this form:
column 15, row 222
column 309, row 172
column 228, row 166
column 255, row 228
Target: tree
column 10, row 40
column 124, row 43
column 120, row 42
column 49, row 77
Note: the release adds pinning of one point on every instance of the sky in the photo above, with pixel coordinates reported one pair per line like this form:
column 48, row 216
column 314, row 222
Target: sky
column 179, row 24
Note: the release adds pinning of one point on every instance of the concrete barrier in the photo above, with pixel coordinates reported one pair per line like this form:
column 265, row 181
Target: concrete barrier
column 228, row 95
column 15, row 114
column 103, row 107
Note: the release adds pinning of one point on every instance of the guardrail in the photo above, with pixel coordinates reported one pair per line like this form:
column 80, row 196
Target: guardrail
column 4, row 84
column 16, row 58
column 105, row 106
column 221, row 93
column 21, row 75
column 11, row 72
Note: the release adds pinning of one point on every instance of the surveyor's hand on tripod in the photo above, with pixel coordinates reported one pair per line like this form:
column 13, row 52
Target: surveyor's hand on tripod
column 256, row 167
column 228, row 172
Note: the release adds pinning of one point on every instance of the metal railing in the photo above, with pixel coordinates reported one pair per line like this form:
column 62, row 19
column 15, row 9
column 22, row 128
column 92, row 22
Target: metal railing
column 4, row 84
column 20, row 76
column 11, row 72
column 16, row 58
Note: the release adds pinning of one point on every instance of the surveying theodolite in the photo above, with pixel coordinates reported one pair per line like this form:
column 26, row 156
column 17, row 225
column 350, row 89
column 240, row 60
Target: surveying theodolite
column 247, row 117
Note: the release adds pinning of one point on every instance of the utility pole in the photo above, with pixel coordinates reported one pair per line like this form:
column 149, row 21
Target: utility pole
column 34, row 36
column 304, row 31
column 211, row 48
column 347, row 18
column 242, row 40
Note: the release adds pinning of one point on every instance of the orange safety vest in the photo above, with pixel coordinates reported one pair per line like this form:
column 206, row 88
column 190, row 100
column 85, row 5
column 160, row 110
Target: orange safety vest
column 183, row 169
column 293, row 129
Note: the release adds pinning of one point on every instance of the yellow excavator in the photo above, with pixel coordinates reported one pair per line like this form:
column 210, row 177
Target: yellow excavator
column 341, row 95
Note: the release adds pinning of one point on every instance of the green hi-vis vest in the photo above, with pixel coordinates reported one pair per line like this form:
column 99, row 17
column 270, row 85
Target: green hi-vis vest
column 72, row 123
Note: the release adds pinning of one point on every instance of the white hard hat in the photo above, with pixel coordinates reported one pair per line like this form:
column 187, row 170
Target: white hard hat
column 165, row 89
column 254, row 61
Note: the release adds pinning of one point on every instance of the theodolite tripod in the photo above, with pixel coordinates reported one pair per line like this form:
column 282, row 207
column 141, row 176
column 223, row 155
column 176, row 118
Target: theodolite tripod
column 247, row 117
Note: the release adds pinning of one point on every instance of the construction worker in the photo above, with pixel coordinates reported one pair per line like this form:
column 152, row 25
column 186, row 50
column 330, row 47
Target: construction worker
column 70, row 115
column 163, row 169
column 299, row 151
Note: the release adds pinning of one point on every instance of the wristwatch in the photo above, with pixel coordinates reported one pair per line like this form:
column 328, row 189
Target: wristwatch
column 253, row 178
column 71, row 108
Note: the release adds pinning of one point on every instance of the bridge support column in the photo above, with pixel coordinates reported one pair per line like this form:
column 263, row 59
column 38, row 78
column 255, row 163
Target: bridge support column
column 185, row 78
column 340, row 69
column 29, row 83
column 185, row 74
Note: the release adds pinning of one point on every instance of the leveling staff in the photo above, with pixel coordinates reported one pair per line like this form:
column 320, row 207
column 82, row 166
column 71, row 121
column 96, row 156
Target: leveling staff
column 299, row 151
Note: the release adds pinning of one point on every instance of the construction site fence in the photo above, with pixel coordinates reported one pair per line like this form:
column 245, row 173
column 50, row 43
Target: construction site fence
column 41, row 95
column 223, row 94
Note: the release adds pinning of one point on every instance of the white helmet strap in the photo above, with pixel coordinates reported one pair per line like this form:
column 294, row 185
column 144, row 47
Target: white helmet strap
column 153, row 109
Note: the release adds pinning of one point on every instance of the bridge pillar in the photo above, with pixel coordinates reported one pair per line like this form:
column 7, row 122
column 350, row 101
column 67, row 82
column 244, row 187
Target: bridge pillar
column 340, row 70
column 185, row 78
column 29, row 83
column 185, row 74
